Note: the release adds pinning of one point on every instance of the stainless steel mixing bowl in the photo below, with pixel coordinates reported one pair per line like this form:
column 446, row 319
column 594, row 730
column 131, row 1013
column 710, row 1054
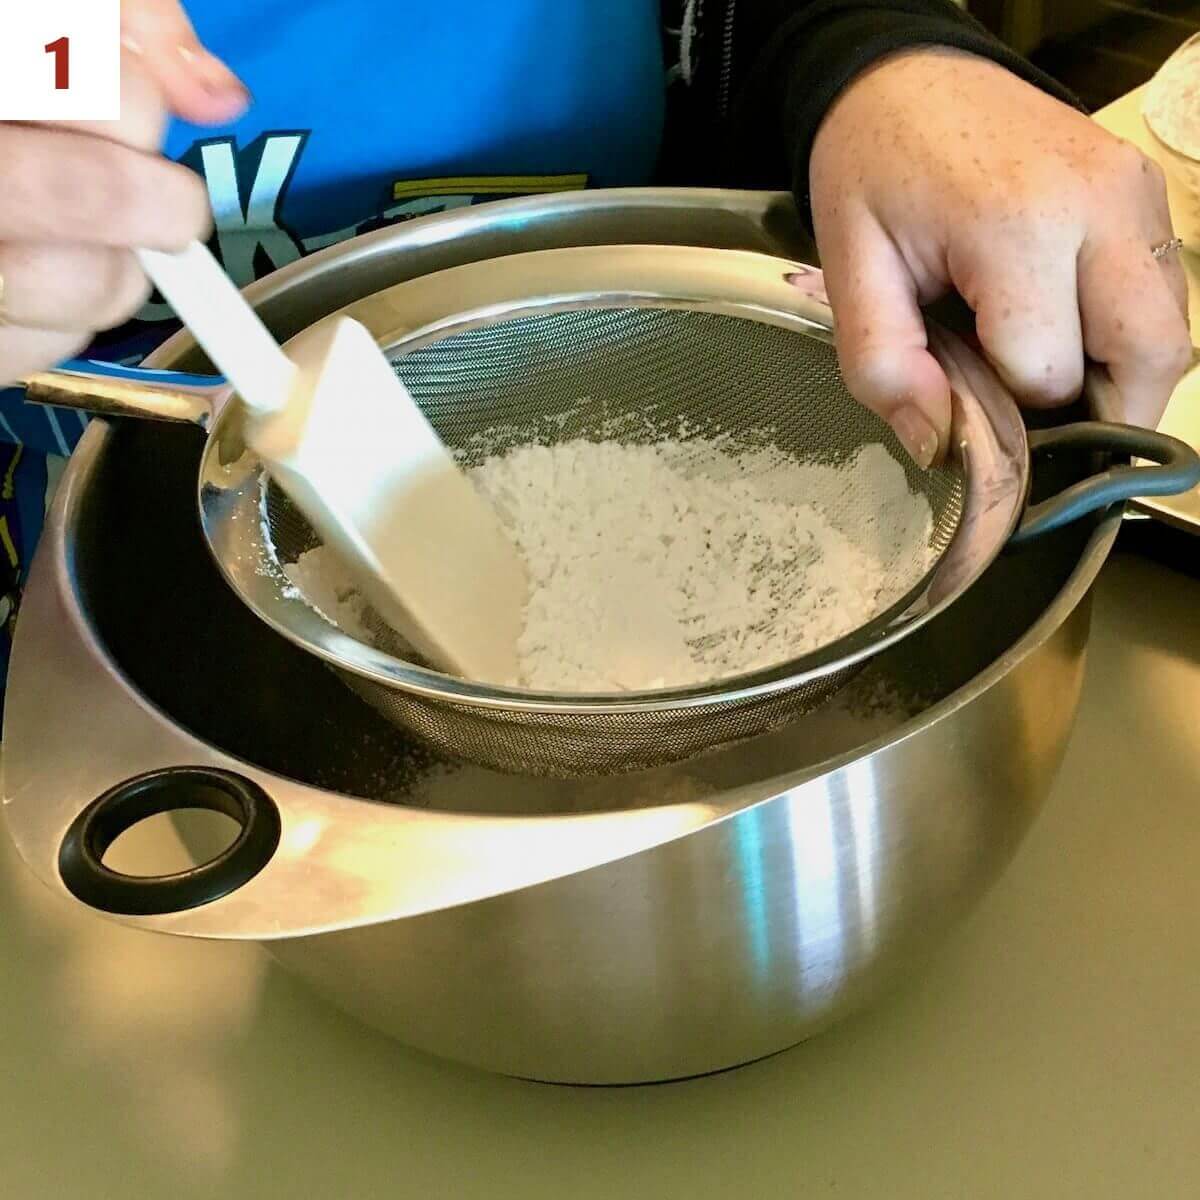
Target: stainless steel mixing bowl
column 654, row 926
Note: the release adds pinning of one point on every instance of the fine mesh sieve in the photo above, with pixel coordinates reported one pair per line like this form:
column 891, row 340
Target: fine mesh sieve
column 642, row 374
column 640, row 370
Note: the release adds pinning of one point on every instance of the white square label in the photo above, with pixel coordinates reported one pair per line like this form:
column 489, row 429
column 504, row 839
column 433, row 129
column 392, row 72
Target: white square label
column 60, row 60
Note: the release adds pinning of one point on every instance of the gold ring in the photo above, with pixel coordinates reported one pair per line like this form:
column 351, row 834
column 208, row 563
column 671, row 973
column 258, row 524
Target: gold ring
column 1170, row 246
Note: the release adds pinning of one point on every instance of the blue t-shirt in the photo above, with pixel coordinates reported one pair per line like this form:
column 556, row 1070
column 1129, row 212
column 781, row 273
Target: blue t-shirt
column 366, row 114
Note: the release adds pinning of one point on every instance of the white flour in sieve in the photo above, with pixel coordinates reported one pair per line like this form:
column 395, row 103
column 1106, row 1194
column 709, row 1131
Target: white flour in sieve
column 683, row 561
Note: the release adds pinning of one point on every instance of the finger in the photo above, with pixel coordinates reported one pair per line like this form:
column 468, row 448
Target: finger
column 65, row 287
column 1132, row 324
column 881, row 339
column 198, row 86
column 1175, row 275
column 23, row 351
column 1158, row 229
column 58, row 185
column 1026, row 305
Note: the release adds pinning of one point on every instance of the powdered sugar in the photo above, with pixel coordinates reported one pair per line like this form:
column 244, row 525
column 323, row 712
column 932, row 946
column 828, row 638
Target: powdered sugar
column 681, row 562
column 318, row 579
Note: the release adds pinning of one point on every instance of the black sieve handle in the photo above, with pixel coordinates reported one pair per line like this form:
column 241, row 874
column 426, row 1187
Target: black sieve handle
column 1178, row 471
column 80, row 858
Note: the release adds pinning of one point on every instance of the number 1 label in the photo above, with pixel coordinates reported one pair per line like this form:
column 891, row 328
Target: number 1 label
column 60, row 60
column 61, row 49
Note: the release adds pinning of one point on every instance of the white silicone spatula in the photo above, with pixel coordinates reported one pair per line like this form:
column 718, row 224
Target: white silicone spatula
column 348, row 444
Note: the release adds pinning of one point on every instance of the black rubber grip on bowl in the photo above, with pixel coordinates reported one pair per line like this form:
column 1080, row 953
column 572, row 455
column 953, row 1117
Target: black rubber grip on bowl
column 81, row 855
column 1178, row 471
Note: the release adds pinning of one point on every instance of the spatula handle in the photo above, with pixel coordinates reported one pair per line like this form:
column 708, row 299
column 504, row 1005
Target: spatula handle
column 231, row 333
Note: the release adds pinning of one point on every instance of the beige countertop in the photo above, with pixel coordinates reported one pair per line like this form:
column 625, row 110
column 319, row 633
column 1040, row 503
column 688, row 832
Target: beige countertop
column 1052, row 1050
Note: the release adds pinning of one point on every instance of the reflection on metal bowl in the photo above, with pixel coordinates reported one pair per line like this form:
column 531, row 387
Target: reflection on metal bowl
column 647, row 927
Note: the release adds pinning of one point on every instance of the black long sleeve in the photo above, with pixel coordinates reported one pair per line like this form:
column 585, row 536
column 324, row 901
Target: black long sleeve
column 756, row 77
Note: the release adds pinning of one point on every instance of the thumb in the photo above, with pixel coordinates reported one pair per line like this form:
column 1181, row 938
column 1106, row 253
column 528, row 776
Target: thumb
column 196, row 84
column 882, row 344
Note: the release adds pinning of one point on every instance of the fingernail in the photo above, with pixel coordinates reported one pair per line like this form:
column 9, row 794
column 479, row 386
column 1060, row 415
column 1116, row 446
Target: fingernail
column 916, row 435
column 213, row 75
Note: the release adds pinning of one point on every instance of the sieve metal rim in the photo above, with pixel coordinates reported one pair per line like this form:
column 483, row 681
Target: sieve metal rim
column 412, row 314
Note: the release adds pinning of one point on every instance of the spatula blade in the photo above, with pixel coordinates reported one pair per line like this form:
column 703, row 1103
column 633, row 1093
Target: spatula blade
column 361, row 461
